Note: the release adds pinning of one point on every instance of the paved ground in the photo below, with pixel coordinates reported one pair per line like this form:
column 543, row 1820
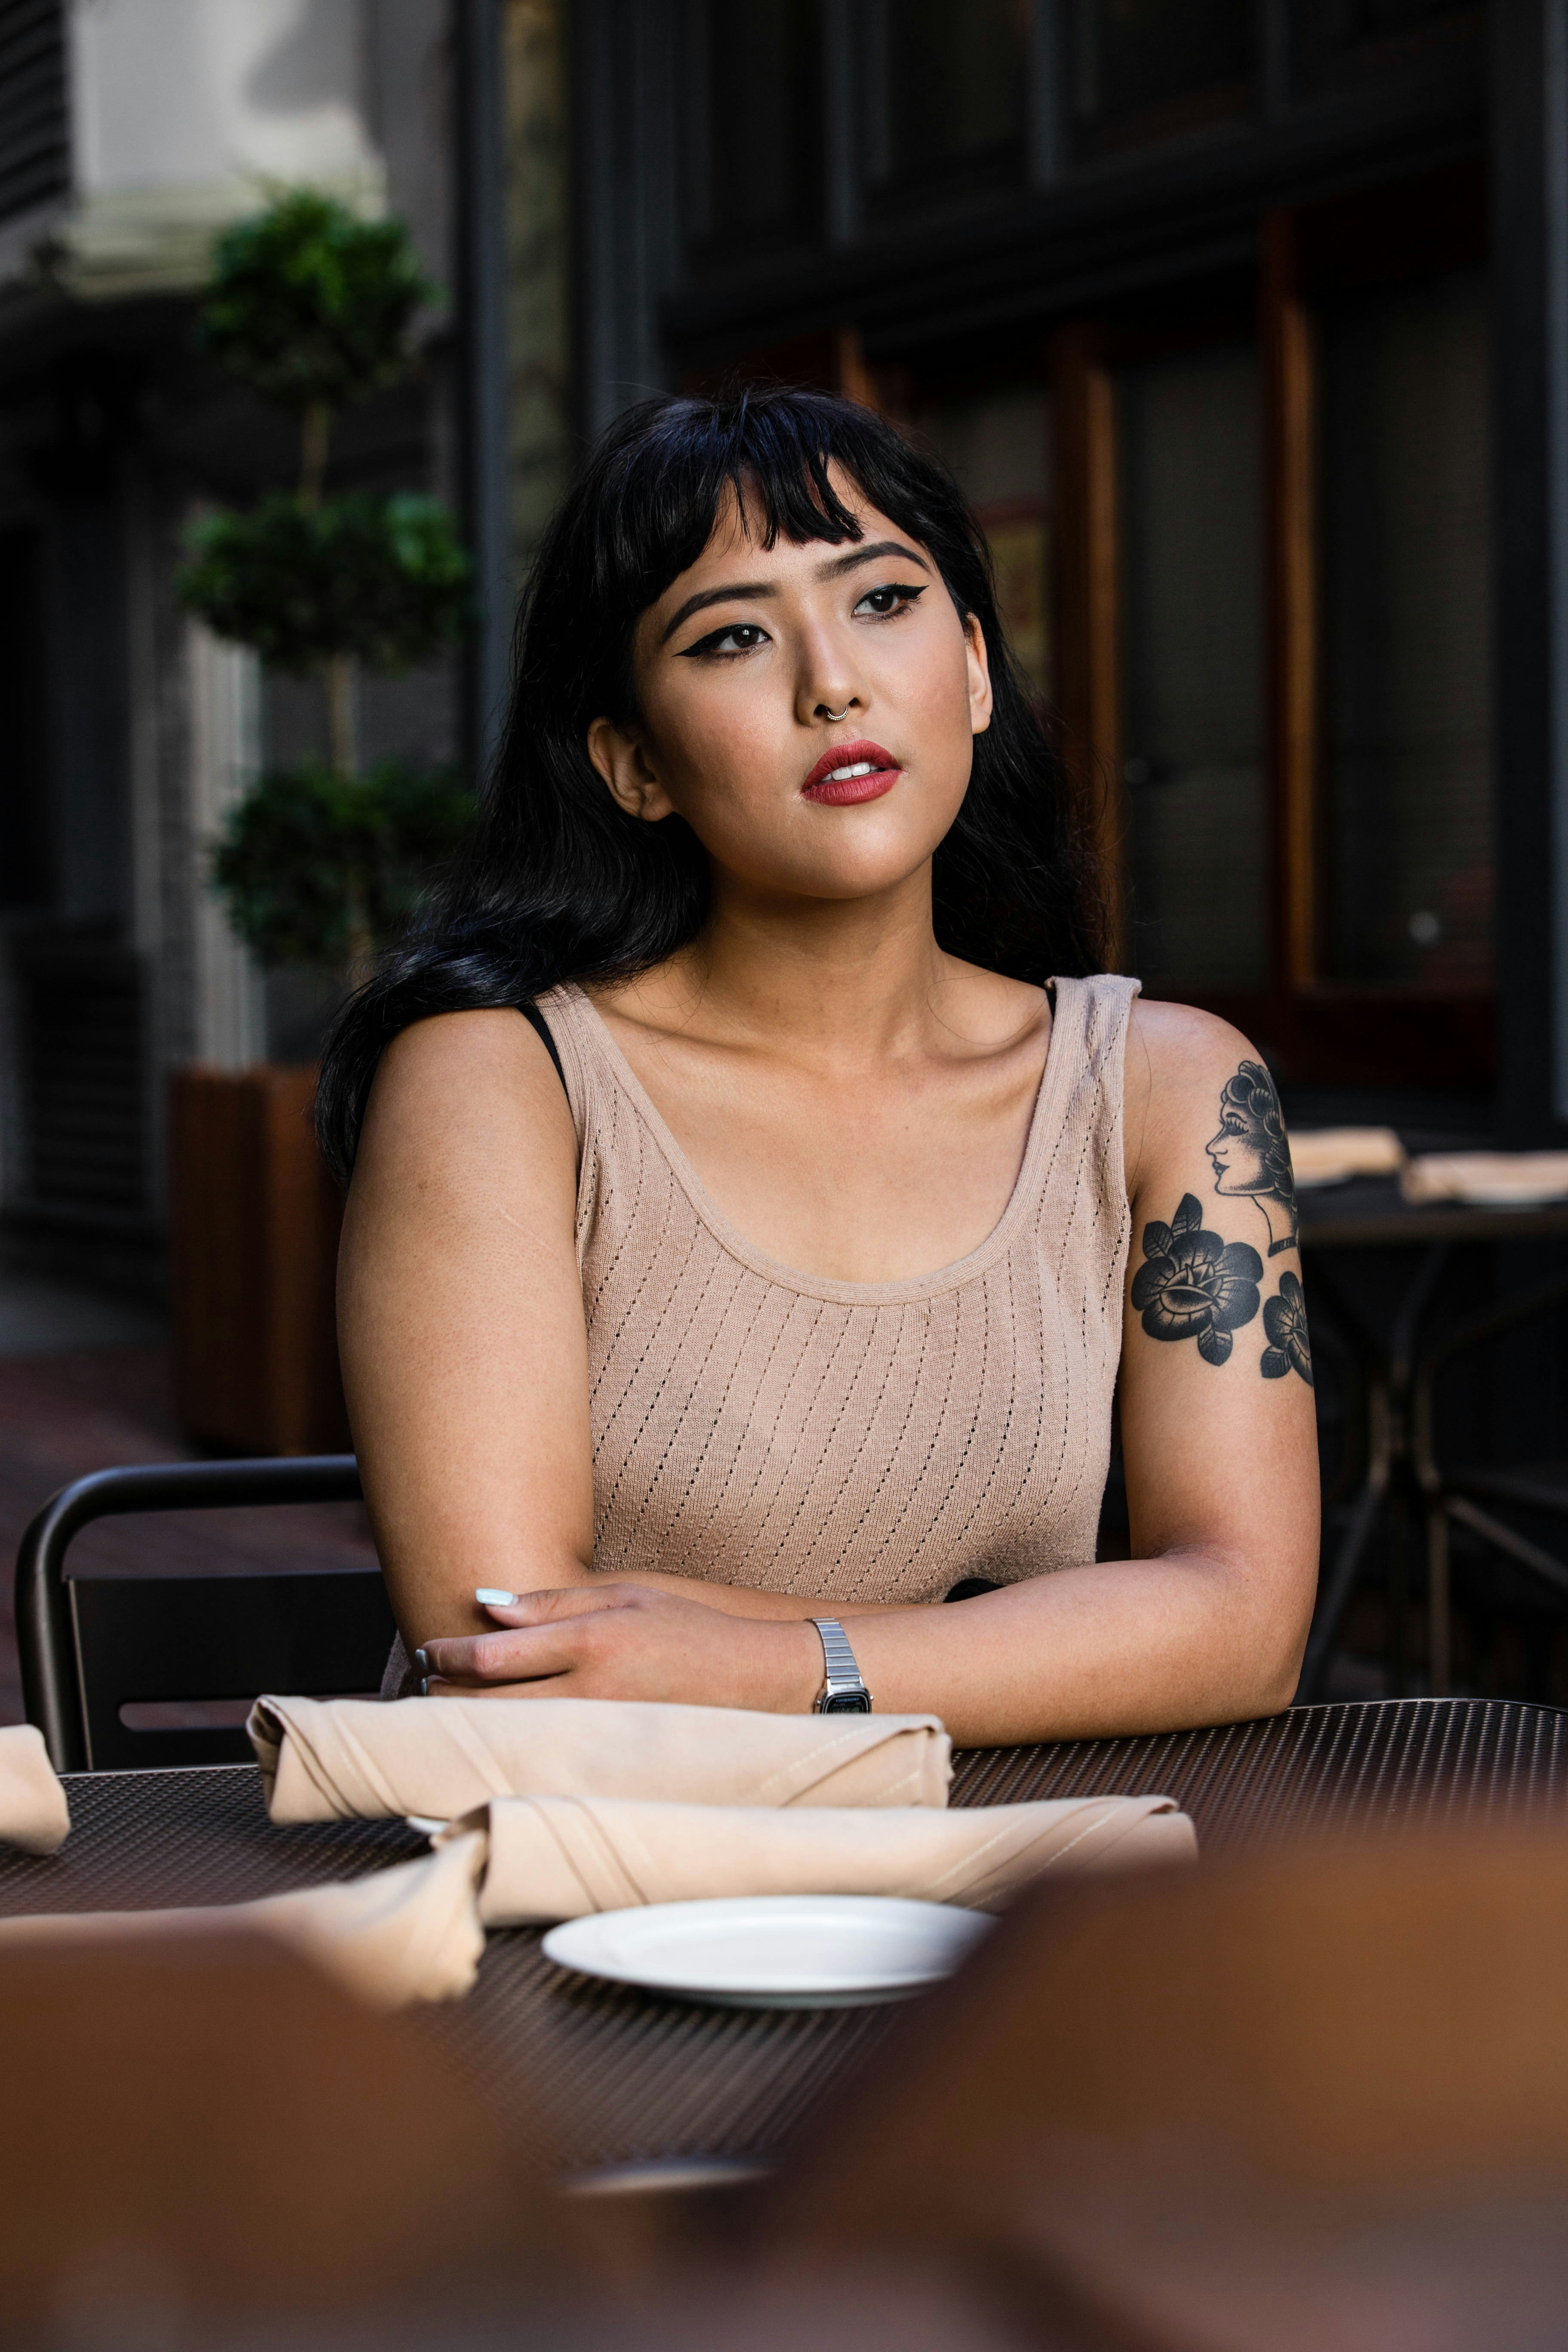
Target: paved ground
column 75, row 1397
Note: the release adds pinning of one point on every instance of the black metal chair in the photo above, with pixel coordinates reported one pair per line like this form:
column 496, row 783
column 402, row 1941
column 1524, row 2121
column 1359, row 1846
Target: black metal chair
column 91, row 1647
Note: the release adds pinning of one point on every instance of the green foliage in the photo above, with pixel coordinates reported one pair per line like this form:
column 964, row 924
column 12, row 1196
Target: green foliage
column 383, row 580
column 319, row 868
column 313, row 305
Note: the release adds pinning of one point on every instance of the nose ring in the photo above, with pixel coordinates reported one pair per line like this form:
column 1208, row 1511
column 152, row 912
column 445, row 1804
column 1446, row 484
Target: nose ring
column 836, row 715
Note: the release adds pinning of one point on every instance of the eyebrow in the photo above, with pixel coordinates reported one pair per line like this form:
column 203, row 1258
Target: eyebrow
column 764, row 589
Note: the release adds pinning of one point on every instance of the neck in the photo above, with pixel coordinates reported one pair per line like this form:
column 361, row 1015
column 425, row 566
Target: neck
column 846, row 981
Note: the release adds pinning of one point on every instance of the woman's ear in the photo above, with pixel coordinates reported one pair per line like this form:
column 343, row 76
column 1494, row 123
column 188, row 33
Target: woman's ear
column 625, row 766
column 979, row 676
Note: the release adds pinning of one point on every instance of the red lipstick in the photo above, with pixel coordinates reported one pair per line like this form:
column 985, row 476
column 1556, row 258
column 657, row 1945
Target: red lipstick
column 851, row 773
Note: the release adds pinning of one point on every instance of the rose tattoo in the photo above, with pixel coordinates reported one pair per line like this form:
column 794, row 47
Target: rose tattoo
column 1193, row 1285
column 1285, row 1320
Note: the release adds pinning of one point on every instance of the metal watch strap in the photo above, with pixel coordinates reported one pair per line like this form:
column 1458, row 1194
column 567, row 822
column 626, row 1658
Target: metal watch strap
column 842, row 1692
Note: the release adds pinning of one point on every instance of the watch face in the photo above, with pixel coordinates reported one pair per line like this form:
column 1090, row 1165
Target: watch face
column 849, row 1703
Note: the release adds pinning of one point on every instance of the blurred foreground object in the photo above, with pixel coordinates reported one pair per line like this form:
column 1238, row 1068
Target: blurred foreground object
column 205, row 2127
column 1317, row 2098
column 1330, row 1155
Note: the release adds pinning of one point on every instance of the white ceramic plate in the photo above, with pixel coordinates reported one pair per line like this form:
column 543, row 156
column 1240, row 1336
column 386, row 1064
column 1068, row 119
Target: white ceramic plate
column 774, row 1951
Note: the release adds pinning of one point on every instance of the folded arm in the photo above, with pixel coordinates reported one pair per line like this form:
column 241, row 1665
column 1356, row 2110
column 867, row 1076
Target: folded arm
column 465, row 1362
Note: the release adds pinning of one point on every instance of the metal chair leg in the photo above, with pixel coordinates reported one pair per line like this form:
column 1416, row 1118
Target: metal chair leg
column 1519, row 1547
column 1439, row 1614
column 1341, row 1583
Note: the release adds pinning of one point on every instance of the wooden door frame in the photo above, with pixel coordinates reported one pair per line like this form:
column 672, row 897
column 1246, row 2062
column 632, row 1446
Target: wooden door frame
column 1088, row 656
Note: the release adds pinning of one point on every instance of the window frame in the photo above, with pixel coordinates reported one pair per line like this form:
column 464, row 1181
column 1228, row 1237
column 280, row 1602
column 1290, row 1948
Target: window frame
column 1319, row 1029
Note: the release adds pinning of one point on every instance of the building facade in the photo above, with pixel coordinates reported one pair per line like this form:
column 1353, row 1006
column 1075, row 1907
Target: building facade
column 131, row 131
column 1244, row 324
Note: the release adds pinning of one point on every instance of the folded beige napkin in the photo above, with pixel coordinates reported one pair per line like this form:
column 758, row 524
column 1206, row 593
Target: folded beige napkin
column 1487, row 1179
column 408, row 1934
column 559, row 1857
column 332, row 1760
column 1326, row 1155
column 416, row 1932
column 33, row 1809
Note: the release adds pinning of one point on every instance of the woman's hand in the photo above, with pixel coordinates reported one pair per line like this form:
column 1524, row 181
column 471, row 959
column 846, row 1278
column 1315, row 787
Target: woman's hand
column 631, row 1641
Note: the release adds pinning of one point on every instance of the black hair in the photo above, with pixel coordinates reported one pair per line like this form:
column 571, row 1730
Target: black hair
column 1251, row 1096
column 559, row 883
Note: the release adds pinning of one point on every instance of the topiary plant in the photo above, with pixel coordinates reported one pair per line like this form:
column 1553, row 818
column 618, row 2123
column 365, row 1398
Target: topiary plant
column 365, row 579
column 311, row 304
column 314, row 307
column 319, row 868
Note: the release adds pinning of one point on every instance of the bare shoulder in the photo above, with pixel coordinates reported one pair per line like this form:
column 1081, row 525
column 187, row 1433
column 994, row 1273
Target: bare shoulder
column 465, row 1096
column 993, row 1013
column 1179, row 1046
column 452, row 1049
column 1184, row 1069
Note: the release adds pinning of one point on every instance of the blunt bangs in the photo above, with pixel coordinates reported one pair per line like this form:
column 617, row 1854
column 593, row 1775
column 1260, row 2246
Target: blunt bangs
column 670, row 468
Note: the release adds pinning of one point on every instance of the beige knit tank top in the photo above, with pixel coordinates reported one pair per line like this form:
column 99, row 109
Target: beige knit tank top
column 854, row 1441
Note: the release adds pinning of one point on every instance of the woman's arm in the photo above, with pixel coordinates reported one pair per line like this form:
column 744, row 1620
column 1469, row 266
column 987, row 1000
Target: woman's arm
column 1205, row 1624
column 460, row 1322
column 1207, row 1621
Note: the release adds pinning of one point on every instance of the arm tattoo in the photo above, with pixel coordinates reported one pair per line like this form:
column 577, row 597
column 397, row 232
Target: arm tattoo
column 1285, row 1320
column 1193, row 1285
column 1251, row 1153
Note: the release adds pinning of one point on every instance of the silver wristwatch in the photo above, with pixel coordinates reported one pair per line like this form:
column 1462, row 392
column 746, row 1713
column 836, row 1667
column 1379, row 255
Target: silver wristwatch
column 842, row 1692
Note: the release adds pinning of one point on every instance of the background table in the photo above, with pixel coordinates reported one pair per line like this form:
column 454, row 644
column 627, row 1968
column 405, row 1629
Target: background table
column 600, row 2076
column 1396, row 1370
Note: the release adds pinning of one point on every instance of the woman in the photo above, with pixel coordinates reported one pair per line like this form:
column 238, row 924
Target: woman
column 752, row 1199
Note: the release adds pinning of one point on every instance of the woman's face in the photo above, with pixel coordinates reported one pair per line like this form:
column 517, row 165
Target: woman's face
column 1237, row 1154
column 763, row 672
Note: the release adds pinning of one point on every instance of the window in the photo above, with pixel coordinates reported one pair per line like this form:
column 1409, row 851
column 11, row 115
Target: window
column 1191, row 716
column 757, row 122
column 35, row 150
column 1327, row 29
column 998, row 445
column 25, row 876
column 1142, row 68
column 1403, row 407
column 950, row 82
column 81, row 1023
column 1274, row 654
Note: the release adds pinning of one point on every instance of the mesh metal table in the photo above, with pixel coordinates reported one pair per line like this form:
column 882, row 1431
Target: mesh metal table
column 598, row 2076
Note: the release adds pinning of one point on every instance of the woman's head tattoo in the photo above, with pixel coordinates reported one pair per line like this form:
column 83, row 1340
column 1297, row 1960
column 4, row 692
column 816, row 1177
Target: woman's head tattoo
column 1251, row 1152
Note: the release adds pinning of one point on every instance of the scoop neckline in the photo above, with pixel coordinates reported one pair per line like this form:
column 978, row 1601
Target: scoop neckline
column 774, row 1270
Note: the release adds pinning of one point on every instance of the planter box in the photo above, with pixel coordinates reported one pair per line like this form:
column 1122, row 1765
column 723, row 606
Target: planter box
column 253, row 1245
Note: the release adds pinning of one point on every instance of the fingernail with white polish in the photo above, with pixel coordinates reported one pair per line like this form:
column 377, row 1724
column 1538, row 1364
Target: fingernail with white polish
column 493, row 1597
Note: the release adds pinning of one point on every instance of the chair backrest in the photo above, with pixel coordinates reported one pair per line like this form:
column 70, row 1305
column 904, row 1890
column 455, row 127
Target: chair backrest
column 95, row 1649
column 159, row 1640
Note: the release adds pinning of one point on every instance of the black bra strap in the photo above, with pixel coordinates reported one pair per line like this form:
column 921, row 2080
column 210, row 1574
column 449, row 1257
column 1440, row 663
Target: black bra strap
column 536, row 1020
